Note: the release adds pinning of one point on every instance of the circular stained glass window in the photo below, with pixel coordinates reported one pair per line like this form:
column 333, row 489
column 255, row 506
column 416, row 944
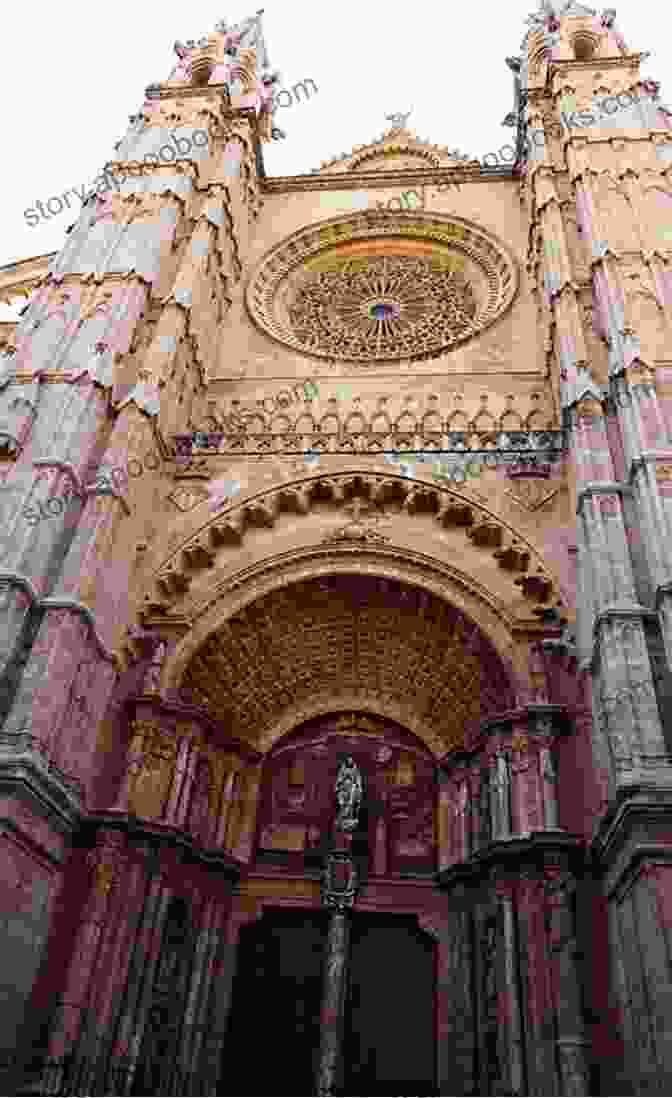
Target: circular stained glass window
column 383, row 310
column 375, row 287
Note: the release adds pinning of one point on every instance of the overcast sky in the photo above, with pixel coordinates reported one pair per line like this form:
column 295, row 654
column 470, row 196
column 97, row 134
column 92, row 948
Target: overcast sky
column 73, row 74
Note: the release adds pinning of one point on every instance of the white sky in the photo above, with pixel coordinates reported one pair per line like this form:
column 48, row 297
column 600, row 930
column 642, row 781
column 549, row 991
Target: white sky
column 71, row 77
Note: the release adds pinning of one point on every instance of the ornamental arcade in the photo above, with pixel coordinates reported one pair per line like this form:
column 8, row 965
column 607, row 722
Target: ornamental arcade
column 336, row 746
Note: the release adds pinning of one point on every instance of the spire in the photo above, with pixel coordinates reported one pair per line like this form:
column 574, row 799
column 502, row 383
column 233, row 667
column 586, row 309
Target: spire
column 236, row 56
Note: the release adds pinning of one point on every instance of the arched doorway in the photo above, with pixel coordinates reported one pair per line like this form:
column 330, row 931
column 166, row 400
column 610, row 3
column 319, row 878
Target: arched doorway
column 325, row 667
column 389, row 1044
column 280, row 976
column 389, row 1016
column 273, row 1036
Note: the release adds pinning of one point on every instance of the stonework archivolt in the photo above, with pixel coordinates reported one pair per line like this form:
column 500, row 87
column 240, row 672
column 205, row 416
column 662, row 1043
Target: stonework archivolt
column 512, row 561
column 381, row 643
column 265, row 597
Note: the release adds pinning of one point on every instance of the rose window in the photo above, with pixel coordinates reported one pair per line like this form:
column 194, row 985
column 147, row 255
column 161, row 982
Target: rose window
column 387, row 309
column 376, row 287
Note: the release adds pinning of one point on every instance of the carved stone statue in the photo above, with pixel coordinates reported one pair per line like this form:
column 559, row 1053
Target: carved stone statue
column 348, row 794
column 398, row 119
column 152, row 677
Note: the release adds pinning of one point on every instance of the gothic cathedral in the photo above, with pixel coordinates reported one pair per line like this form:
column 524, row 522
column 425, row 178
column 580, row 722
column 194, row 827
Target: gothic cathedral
column 336, row 591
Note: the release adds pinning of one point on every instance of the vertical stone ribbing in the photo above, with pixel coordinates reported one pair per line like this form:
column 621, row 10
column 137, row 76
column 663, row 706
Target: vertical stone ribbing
column 456, row 993
column 139, row 989
column 106, row 862
column 200, row 992
column 516, row 1065
column 329, row 1068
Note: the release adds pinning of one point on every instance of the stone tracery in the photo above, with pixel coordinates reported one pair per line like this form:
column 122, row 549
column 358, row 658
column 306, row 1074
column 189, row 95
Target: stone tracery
column 366, row 239
column 394, row 305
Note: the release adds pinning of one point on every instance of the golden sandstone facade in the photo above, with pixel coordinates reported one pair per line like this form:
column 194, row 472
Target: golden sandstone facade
column 294, row 473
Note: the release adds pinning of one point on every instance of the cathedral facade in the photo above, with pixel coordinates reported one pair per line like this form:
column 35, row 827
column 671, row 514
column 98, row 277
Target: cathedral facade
column 336, row 591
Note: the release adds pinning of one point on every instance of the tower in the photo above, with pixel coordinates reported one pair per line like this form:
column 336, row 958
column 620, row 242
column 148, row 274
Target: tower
column 369, row 464
column 597, row 188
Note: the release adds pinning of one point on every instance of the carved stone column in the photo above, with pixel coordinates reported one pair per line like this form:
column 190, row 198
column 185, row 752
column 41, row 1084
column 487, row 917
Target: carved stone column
column 571, row 1039
column 123, row 933
column 380, row 851
column 150, row 932
column 198, row 994
column 456, row 996
column 248, row 813
column 333, row 998
column 177, row 802
column 511, row 996
column 537, row 992
column 339, row 884
column 225, row 808
column 216, row 1010
column 105, row 861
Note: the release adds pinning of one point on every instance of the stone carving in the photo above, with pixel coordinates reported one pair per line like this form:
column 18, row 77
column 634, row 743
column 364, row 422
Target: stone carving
column 365, row 324
column 106, row 861
column 79, row 715
column 452, row 508
column 198, row 819
column 364, row 514
column 431, row 923
column 153, row 754
column 533, row 492
column 526, row 450
column 152, row 678
column 353, row 630
column 490, row 938
column 398, row 120
column 394, row 306
column 348, row 794
column 186, row 497
column 573, row 1064
column 339, row 881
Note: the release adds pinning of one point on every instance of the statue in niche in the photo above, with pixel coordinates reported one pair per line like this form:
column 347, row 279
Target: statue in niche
column 199, row 807
column 152, row 677
column 348, row 794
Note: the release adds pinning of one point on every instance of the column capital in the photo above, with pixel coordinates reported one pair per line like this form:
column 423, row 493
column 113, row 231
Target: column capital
column 606, row 488
column 619, row 612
